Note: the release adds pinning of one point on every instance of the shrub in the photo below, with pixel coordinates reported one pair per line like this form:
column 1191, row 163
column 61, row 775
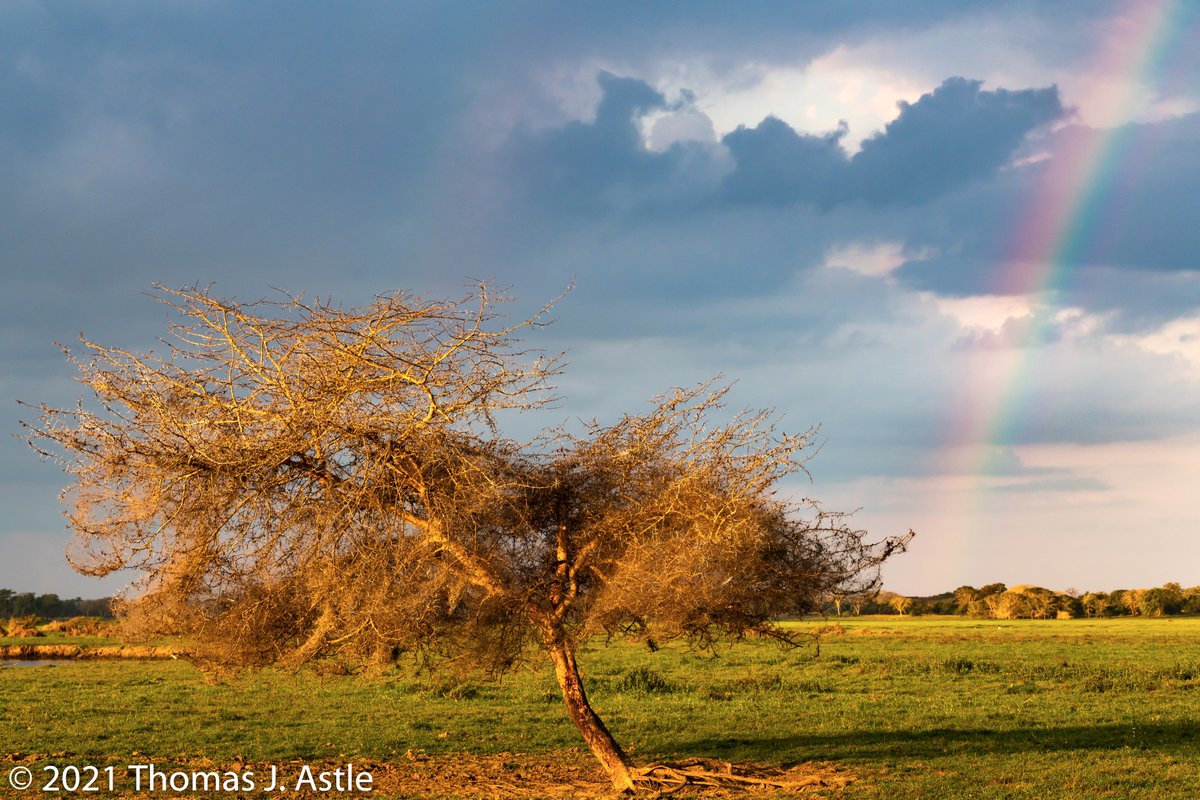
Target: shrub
column 644, row 680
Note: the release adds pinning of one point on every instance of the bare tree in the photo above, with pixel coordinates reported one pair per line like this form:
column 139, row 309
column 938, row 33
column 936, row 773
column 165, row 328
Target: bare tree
column 301, row 482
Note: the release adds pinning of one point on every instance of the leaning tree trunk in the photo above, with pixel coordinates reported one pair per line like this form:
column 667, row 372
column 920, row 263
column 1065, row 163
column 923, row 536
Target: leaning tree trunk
column 599, row 740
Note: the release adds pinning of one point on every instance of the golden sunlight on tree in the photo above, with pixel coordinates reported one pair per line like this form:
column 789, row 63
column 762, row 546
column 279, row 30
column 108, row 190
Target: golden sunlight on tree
column 300, row 482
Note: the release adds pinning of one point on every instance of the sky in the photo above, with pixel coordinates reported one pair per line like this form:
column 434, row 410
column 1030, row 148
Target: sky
column 960, row 238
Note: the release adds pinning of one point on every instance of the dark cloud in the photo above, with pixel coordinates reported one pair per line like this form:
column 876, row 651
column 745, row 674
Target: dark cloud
column 954, row 135
column 248, row 145
column 576, row 166
column 360, row 147
column 950, row 137
column 1126, row 240
column 775, row 165
column 631, row 223
column 722, row 34
column 1135, row 300
column 217, row 136
column 1140, row 204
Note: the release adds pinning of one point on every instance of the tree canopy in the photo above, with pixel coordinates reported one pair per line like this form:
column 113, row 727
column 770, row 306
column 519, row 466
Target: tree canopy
column 299, row 481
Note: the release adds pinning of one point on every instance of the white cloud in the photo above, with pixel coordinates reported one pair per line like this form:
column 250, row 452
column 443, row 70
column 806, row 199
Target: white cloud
column 876, row 260
column 1180, row 337
column 683, row 125
column 984, row 312
column 814, row 98
column 1103, row 69
column 861, row 83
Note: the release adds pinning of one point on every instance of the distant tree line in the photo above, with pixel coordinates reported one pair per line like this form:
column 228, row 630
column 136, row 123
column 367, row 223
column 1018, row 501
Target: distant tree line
column 993, row 601
column 997, row 601
column 51, row 606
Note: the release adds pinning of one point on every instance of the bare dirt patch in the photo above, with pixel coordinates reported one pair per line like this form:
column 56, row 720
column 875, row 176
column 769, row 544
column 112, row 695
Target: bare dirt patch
column 560, row 775
column 574, row 774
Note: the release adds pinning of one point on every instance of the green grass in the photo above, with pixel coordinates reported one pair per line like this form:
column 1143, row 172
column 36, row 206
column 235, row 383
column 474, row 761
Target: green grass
column 916, row 708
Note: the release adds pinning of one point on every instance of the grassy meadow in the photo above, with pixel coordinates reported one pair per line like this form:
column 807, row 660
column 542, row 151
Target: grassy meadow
column 911, row 707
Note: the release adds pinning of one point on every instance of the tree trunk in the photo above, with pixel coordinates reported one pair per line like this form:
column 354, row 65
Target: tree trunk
column 598, row 739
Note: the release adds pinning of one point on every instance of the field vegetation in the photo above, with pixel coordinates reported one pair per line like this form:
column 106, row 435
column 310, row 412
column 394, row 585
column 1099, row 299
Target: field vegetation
column 925, row 707
column 997, row 601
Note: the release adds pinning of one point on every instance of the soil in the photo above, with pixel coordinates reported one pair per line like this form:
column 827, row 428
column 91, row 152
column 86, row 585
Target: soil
column 561, row 775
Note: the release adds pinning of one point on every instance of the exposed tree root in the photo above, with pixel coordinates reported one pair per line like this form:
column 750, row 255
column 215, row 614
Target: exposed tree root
column 704, row 772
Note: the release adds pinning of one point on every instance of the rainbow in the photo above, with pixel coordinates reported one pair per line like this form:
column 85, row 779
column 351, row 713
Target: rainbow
column 1073, row 204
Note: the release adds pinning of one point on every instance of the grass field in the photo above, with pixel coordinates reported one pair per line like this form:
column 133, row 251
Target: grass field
column 912, row 708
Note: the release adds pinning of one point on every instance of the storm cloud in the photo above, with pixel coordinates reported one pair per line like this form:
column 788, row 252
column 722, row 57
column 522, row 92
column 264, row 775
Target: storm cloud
column 682, row 165
column 952, row 136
